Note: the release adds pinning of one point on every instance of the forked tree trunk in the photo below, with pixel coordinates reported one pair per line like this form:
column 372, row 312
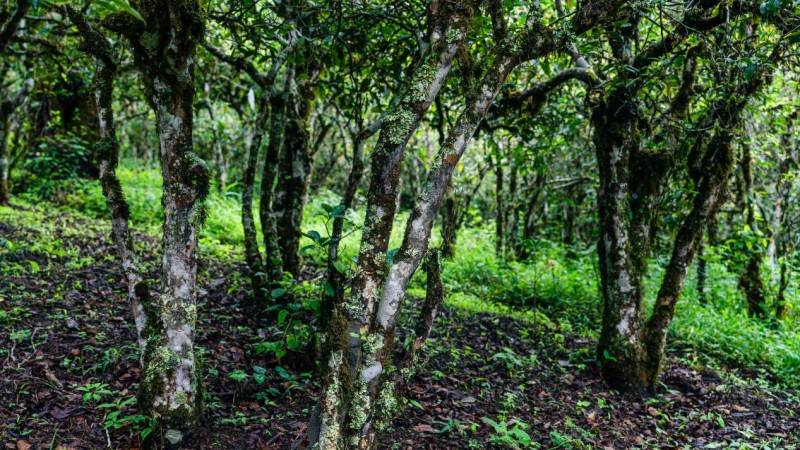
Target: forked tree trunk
column 358, row 399
column 631, row 351
column 339, row 418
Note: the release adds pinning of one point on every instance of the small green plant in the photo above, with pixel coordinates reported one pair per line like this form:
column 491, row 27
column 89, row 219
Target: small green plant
column 509, row 434
column 19, row 335
column 238, row 375
column 115, row 419
column 94, row 392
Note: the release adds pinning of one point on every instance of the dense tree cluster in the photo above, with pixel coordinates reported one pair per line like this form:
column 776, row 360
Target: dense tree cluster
column 675, row 121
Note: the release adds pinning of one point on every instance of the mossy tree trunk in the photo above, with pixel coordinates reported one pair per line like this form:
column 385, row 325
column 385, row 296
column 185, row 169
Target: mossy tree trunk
column 107, row 153
column 164, row 51
column 750, row 279
column 334, row 291
column 294, row 164
column 270, row 120
column 341, row 412
column 631, row 351
column 358, row 398
column 7, row 107
column 252, row 253
column 11, row 22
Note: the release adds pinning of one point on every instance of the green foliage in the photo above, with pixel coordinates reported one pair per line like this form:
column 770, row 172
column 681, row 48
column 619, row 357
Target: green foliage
column 509, row 434
column 94, row 392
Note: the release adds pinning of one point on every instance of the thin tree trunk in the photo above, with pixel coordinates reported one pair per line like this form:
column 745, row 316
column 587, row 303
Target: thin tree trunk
column 750, row 280
column 295, row 166
column 500, row 209
column 5, row 161
column 273, row 264
column 334, row 291
column 7, row 107
column 252, row 253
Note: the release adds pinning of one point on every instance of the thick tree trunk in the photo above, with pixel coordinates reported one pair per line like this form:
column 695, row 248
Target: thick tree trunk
column 620, row 350
column 164, row 50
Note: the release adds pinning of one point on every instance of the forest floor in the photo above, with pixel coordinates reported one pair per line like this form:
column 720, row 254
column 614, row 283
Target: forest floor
column 69, row 369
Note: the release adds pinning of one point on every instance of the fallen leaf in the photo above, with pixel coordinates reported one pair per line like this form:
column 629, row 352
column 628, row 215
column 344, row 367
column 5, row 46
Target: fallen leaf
column 423, row 428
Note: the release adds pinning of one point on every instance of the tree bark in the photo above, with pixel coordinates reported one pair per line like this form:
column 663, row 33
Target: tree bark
column 718, row 161
column 252, row 253
column 334, row 291
column 7, row 107
column 164, row 51
column 337, row 421
column 750, row 280
column 295, row 163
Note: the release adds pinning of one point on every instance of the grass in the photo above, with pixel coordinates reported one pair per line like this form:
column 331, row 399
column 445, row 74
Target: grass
column 558, row 288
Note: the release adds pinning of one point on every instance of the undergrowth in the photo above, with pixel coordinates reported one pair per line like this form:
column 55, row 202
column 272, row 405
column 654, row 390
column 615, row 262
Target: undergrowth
column 557, row 288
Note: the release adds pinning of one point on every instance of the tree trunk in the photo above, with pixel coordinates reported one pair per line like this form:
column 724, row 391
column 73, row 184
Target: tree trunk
column 5, row 161
column 7, row 107
column 449, row 224
column 500, row 209
column 273, row 263
column 750, row 280
column 9, row 27
column 164, row 50
column 340, row 416
column 252, row 253
column 717, row 163
column 295, row 167
column 334, row 291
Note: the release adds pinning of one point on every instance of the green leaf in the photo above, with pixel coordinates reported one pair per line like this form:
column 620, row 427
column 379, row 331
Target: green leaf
column 277, row 292
column 282, row 316
column 340, row 267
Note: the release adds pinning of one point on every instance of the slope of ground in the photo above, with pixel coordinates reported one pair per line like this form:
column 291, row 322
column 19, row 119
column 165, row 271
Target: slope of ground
column 69, row 369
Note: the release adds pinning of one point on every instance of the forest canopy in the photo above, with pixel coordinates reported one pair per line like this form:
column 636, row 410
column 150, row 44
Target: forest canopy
column 369, row 224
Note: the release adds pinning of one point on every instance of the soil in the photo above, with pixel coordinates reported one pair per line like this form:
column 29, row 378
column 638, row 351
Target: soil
column 487, row 381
